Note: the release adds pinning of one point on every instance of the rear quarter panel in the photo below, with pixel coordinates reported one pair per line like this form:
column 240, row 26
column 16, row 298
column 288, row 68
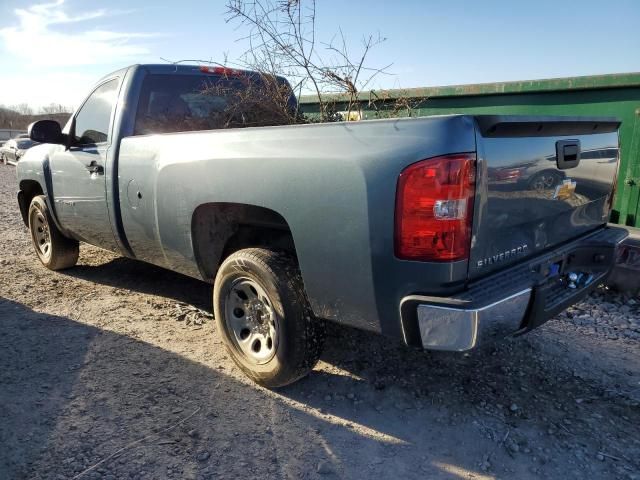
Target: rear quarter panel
column 334, row 184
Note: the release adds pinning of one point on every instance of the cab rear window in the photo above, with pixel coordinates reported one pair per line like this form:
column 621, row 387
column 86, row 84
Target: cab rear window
column 182, row 103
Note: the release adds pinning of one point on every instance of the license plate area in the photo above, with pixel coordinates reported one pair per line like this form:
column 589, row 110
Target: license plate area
column 565, row 279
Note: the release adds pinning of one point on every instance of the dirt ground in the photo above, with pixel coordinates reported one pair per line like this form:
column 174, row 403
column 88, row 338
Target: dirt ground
column 116, row 363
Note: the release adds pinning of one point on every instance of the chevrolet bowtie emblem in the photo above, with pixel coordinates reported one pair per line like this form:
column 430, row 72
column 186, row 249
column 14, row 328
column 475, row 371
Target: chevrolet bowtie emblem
column 565, row 190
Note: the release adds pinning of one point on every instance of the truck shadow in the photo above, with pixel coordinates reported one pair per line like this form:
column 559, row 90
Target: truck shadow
column 72, row 395
column 372, row 407
column 143, row 277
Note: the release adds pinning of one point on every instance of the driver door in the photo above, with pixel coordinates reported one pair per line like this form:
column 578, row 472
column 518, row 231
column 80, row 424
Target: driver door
column 78, row 173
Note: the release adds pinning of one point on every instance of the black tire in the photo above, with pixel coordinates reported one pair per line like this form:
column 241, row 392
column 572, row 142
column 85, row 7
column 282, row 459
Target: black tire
column 300, row 336
column 60, row 252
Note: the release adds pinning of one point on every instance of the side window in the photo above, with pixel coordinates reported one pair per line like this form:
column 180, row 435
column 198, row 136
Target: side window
column 92, row 121
column 177, row 103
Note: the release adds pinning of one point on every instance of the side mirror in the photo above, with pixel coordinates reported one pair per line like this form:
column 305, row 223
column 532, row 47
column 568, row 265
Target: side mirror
column 46, row 131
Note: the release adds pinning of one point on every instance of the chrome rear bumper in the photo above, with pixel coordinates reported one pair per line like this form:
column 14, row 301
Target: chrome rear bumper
column 514, row 300
column 458, row 329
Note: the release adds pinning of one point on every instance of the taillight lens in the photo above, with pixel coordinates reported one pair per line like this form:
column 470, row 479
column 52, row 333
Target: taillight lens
column 434, row 209
column 229, row 72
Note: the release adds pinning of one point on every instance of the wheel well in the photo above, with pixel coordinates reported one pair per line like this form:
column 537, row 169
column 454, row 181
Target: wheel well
column 28, row 190
column 219, row 229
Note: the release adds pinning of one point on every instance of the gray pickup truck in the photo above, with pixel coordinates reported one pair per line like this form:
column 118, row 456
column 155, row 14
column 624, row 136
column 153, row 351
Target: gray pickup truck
column 437, row 231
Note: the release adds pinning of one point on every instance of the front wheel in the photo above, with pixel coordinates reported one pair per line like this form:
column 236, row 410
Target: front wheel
column 55, row 251
column 263, row 315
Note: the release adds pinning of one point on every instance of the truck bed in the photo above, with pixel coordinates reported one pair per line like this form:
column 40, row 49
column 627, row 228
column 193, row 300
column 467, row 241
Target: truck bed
column 334, row 184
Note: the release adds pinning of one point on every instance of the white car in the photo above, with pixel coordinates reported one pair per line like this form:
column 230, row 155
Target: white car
column 15, row 148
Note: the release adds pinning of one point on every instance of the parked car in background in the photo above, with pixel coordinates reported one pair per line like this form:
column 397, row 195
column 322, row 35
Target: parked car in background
column 7, row 134
column 15, row 148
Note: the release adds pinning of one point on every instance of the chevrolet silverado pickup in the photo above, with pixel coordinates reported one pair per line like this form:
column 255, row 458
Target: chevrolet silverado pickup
column 440, row 232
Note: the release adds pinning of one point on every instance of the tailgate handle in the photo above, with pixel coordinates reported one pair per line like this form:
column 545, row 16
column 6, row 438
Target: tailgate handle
column 567, row 153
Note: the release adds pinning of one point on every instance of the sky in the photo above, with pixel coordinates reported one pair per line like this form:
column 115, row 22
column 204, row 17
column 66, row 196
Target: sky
column 54, row 52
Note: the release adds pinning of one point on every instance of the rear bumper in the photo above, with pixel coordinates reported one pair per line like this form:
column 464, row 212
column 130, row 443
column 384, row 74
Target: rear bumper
column 512, row 301
column 458, row 328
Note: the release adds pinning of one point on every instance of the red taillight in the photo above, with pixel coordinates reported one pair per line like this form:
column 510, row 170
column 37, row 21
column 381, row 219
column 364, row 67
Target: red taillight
column 434, row 208
column 229, row 72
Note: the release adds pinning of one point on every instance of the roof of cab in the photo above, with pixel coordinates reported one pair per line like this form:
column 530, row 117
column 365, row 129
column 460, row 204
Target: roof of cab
column 174, row 68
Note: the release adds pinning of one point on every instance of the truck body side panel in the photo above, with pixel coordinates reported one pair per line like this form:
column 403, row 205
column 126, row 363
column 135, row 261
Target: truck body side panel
column 334, row 184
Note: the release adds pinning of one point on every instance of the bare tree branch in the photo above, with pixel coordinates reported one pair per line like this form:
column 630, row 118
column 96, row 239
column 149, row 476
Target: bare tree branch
column 282, row 41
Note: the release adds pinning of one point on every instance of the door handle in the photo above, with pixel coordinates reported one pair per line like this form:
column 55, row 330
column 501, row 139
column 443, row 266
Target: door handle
column 93, row 167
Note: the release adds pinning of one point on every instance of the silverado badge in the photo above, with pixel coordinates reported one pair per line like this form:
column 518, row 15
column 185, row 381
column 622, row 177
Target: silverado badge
column 502, row 256
column 565, row 189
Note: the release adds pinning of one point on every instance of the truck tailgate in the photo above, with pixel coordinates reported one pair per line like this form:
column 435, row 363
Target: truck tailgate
column 542, row 181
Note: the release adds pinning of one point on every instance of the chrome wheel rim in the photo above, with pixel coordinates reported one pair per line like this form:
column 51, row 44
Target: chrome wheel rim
column 41, row 234
column 251, row 320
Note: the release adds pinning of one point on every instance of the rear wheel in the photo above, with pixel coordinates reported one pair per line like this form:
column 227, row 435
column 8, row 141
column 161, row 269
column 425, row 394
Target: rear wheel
column 55, row 251
column 264, row 317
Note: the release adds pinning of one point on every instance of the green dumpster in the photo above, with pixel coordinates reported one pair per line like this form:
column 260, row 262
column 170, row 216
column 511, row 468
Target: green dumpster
column 616, row 95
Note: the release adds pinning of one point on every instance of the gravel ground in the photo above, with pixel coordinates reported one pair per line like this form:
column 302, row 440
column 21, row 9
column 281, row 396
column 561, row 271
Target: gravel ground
column 114, row 369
